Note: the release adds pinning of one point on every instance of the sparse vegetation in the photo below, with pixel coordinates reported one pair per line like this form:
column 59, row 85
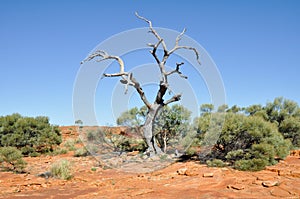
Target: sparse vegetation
column 123, row 143
column 59, row 151
column 215, row 163
column 81, row 152
column 70, row 144
column 93, row 169
column 62, row 170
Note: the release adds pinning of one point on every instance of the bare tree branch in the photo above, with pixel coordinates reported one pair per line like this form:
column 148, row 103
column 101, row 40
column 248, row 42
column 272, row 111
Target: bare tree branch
column 178, row 38
column 175, row 98
column 153, row 52
column 187, row 48
column 141, row 92
column 104, row 56
column 153, row 31
column 127, row 78
column 177, row 71
column 164, row 86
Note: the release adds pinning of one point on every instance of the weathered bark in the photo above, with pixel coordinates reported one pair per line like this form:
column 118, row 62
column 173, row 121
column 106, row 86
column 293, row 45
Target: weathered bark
column 148, row 130
column 129, row 80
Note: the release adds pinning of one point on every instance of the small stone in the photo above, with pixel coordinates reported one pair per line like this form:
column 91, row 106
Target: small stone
column 46, row 174
column 182, row 171
column 44, row 185
column 208, row 175
column 284, row 173
column 190, row 172
column 270, row 183
column 280, row 193
column 236, row 187
column 295, row 174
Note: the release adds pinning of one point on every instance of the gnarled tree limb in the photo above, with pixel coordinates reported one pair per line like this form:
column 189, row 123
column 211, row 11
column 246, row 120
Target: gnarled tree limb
column 127, row 78
column 164, row 86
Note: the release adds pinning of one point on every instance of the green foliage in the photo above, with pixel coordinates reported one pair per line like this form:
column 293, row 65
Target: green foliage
column 133, row 117
column 79, row 122
column 11, row 159
column 59, row 151
column 280, row 109
column 206, row 108
column 123, row 143
column 172, row 124
column 81, row 152
column 190, row 142
column 251, row 164
column 62, row 170
column 232, row 156
column 234, row 109
column 290, row 128
column 244, row 141
column 215, row 163
column 95, row 135
column 222, row 108
column 70, row 144
column 28, row 134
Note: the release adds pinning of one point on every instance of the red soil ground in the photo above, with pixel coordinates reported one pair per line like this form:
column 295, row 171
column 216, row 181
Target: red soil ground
column 179, row 180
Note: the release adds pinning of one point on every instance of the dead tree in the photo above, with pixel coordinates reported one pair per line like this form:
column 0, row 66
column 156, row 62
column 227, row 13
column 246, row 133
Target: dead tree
column 128, row 80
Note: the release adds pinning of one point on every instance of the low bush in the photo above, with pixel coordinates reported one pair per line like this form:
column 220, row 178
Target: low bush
column 251, row 164
column 59, row 151
column 62, row 170
column 31, row 135
column 11, row 159
column 81, row 152
column 244, row 142
column 215, row 163
column 70, row 144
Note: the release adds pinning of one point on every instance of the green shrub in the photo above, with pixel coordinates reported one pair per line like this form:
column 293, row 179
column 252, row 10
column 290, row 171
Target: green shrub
column 245, row 142
column 215, row 163
column 28, row 134
column 290, row 129
column 62, row 170
column 11, row 159
column 59, row 151
column 81, row 152
column 91, row 135
column 251, row 164
column 123, row 143
column 70, row 144
column 235, row 155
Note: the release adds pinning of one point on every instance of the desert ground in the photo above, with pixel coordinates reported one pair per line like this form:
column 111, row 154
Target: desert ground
column 188, row 179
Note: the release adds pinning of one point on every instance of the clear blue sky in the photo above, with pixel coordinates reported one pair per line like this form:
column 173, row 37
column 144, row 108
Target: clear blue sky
column 255, row 44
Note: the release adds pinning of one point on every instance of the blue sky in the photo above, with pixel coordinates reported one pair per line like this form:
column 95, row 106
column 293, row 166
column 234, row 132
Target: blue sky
column 255, row 44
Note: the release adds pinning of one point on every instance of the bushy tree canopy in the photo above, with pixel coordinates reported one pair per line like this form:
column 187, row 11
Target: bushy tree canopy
column 28, row 134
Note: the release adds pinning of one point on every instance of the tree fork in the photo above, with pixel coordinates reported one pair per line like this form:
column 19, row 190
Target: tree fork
column 128, row 80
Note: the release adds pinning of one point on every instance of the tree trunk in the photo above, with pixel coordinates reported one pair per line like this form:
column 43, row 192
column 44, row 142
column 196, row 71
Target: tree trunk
column 147, row 129
column 165, row 141
column 128, row 80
